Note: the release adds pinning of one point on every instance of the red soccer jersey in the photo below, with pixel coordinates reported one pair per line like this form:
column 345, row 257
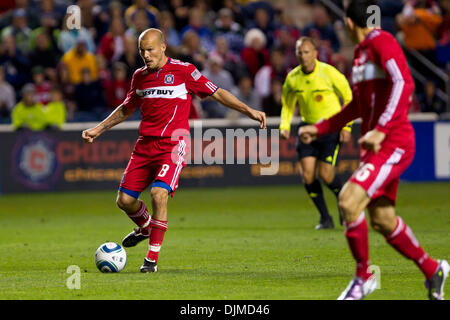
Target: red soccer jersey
column 382, row 90
column 165, row 95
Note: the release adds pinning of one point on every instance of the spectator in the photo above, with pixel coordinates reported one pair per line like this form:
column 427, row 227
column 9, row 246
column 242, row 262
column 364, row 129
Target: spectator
column 77, row 59
column 48, row 27
column 104, row 73
column 69, row 38
column 285, row 42
column 116, row 89
column 140, row 23
column 322, row 24
column 55, row 110
column 180, row 10
column 87, row 13
column 196, row 24
column 112, row 43
column 255, row 54
column 28, row 114
column 247, row 94
column 227, row 28
column 19, row 30
column 262, row 21
column 191, row 51
column 272, row 103
column 45, row 56
column 89, row 98
column 131, row 55
column 14, row 62
column 167, row 26
column 236, row 9
column 231, row 62
column 275, row 70
column 419, row 25
column 104, row 15
column 49, row 7
column 42, row 87
column 143, row 6
column 221, row 78
column 389, row 10
column 7, row 97
column 324, row 50
column 428, row 100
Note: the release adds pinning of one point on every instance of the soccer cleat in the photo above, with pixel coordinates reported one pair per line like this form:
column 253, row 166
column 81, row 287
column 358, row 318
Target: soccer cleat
column 149, row 266
column 327, row 224
column 341, row 217
column 133, row 238
column 435, row 284
column 357, row 289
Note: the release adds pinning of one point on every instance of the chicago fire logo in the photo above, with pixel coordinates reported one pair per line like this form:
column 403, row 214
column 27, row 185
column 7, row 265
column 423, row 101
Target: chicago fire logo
column 34, row 161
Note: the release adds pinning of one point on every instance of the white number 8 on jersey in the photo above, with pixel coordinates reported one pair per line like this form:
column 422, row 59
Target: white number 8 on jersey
column 164, row 170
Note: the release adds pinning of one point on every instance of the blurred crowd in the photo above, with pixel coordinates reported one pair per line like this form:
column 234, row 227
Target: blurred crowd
column 51, row 73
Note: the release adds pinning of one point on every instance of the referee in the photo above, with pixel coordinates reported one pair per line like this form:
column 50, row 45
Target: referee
column 317, row 87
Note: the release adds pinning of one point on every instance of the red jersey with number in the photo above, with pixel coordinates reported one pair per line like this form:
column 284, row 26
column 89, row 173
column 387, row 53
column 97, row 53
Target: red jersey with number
column 164, row 97
column 382, row 91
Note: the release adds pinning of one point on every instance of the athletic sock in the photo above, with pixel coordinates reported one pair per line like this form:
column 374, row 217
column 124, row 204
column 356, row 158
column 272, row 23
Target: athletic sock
column 316, row 194
column 141, row 217
column 357, row 234
column 335, row 186
column 404, row 241
column 157, row 230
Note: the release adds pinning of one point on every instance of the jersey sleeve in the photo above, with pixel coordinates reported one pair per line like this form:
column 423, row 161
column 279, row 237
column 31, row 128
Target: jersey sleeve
column 339, row 120
column 288, row 102
column 342, row 89
column 198, row 84
column 389, row 56
column 132, row 99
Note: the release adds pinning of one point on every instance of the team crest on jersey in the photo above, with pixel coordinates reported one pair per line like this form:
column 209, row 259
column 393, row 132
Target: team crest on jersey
column 168, row 79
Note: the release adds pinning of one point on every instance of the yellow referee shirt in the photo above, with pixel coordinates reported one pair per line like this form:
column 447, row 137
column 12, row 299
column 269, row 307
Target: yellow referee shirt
column 316, row 93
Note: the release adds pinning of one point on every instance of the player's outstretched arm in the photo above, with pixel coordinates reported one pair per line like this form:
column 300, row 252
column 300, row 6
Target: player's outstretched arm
column 308, row 133
column 119, row 115
column 230, row 101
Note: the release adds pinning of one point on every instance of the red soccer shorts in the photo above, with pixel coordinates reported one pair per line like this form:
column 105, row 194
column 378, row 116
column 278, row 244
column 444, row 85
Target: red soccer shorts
column 155, row 158
column 379, row 174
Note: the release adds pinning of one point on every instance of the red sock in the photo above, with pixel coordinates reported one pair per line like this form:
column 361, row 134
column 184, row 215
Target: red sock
column 403, row 240
column 141, row 217
column 357, row 235
column 157, row 230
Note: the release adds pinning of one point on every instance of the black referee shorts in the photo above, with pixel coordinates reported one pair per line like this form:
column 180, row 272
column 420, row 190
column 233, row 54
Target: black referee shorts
column 325, row 148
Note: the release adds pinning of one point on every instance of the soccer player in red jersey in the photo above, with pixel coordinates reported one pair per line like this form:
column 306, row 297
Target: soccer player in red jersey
column 163, row 90
column 382, row 95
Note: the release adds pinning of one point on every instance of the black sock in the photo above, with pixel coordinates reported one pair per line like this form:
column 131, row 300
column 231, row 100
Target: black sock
column 335, row 186
column 316, row 194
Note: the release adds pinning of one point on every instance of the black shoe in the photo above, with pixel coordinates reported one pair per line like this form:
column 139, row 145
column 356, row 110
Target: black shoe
column 435, row 285
column 326, row 224
column 341, row 218
column 149, row 266
column 133, row 238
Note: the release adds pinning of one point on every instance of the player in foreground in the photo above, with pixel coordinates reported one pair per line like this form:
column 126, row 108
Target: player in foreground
column 381, row 97
column 317, row 87
column 163, row 90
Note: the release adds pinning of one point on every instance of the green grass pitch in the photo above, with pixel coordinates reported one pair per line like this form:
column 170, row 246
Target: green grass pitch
column 222, row 243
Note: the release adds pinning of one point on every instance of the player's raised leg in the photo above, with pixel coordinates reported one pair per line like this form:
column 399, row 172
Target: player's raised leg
column 352, row 201
column 136, row 210
column 158, row 225
column 315, row 192
column 401, row 238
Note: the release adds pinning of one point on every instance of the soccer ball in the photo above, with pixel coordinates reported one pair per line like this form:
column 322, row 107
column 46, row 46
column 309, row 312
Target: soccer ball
column 110, row 257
